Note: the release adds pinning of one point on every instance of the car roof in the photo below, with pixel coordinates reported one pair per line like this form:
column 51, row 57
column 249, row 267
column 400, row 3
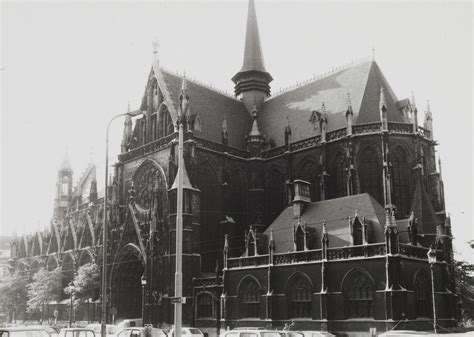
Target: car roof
column 25, row 328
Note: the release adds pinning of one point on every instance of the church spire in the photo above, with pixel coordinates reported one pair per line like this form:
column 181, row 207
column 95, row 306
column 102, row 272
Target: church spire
column 253, row 57
column 252, row 81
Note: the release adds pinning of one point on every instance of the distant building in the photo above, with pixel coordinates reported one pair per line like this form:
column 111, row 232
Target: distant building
column 316, row 205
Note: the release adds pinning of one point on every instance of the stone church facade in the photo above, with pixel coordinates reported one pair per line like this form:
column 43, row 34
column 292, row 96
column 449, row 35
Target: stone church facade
column 316, row 206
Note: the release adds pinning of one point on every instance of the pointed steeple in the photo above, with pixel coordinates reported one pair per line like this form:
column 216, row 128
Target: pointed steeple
column 252, row 81
column 255, row 132
column 428, row 122
column 225, row 132
column 349, row 115
column 255, row 139
column 65, row 164
column 253, row 58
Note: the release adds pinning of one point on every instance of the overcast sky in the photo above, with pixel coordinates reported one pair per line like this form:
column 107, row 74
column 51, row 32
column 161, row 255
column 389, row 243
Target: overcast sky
column 68, row 67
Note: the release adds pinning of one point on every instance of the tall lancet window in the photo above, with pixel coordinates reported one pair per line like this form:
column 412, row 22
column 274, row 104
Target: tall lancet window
column 299, row 295
column 422, row 295
column 400, row 182
column 339, row 178
column 249, row 295
column 370, row 174
column 65, row 186
column 358, row 294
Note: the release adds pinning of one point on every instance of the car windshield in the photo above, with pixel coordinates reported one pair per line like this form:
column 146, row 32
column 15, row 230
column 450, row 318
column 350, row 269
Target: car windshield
column 195, row 331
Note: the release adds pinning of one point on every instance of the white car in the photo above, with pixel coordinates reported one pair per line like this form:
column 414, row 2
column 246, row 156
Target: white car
column 140, row 332
column 188, row 332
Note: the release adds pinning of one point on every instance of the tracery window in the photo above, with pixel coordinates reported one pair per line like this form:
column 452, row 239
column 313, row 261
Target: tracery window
column 309, row 172
column 249, row 295
column 274, row 195
column 422, row 295
column 204, row 306
column 400, row 182
column 339, row 177
column 299, row 294
column 358, row 295
column 370, row 174
column 65, row 186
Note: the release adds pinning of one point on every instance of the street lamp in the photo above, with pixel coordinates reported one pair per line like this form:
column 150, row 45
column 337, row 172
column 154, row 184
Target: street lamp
column 143, row 280
column 71, row 295
column 432, row 260
column 104, row 224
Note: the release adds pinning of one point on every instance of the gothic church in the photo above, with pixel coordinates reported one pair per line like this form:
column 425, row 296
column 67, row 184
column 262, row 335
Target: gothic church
column 316, row 206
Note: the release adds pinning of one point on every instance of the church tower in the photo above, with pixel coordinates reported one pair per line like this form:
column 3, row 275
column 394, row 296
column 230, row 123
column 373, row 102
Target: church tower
column 63, row 189
column 252, row 81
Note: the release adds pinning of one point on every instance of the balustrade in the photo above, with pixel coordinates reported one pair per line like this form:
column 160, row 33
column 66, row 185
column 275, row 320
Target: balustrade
column 366, row 128
column 400, row 128
column 147, row 148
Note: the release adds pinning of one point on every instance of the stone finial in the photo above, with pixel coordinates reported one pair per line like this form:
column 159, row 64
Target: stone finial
column 349, row 104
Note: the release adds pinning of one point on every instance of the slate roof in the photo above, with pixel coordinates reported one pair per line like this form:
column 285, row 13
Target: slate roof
column 212, row 106
column 336, row 213
column 363, row 81
column 423, row 210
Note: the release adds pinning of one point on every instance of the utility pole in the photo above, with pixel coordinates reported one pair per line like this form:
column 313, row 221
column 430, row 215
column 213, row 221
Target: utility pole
column 178, row 276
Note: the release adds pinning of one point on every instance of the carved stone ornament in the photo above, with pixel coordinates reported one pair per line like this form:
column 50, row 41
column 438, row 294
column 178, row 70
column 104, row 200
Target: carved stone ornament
column 145, row 181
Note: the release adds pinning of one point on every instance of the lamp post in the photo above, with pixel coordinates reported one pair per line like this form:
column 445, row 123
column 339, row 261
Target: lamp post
column 143, row 280
column 432, row 260
column 71, row 292
column 104, row 224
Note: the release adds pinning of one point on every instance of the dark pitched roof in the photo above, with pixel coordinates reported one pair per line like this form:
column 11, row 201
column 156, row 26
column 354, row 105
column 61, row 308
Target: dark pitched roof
column 336, row 213
column 212, row 106
column 423, row 210
column 363, row 81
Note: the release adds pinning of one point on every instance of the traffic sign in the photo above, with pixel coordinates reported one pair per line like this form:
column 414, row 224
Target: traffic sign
column 175, row 299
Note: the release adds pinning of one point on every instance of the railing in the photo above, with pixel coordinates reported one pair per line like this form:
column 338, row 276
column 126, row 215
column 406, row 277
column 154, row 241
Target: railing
column 376, row 249
column 336, row 134
column 295, row 257
column 305, row 143
column 413, row 251
column 366, row 128
column 147, row 148
column 424, row 132
column 361, row 251
column 400, row 127
column 206, row 144
column 249, row 261
column 273, row 152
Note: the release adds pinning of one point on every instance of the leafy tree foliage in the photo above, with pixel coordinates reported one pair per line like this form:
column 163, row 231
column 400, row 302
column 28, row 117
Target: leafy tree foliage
column 13, row 295
column 465, row 288
column 45, row 287
column 86, row 282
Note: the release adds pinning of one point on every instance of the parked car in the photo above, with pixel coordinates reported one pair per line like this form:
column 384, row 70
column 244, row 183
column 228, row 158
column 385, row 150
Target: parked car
column 97, row 328
column 140, row 332
column 25, row 331
column 261, row 333
column 76, row 332
column 317, row 334
column 188, row 332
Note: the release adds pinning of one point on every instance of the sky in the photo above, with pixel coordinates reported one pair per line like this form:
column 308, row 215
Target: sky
column 68, row 67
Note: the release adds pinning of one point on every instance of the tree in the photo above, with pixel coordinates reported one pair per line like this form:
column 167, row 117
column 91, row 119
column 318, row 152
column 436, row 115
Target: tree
column 86, row 282
column 13, row 295
column 465, row 288
column 45, row 287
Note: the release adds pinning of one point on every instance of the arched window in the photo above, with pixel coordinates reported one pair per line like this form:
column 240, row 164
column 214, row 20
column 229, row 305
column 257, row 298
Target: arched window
column 249, row 295
column 204, row 306
column 299, row 296
column 357, row 232
column 165, row 123
column 339, row 178
column 310, row 172
column 370, row 174
column 358, row 294
column 274, row 195
column 211, row 238
column 65, row 186
column 299, row 239
column 400, row 182
column 422, row 295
